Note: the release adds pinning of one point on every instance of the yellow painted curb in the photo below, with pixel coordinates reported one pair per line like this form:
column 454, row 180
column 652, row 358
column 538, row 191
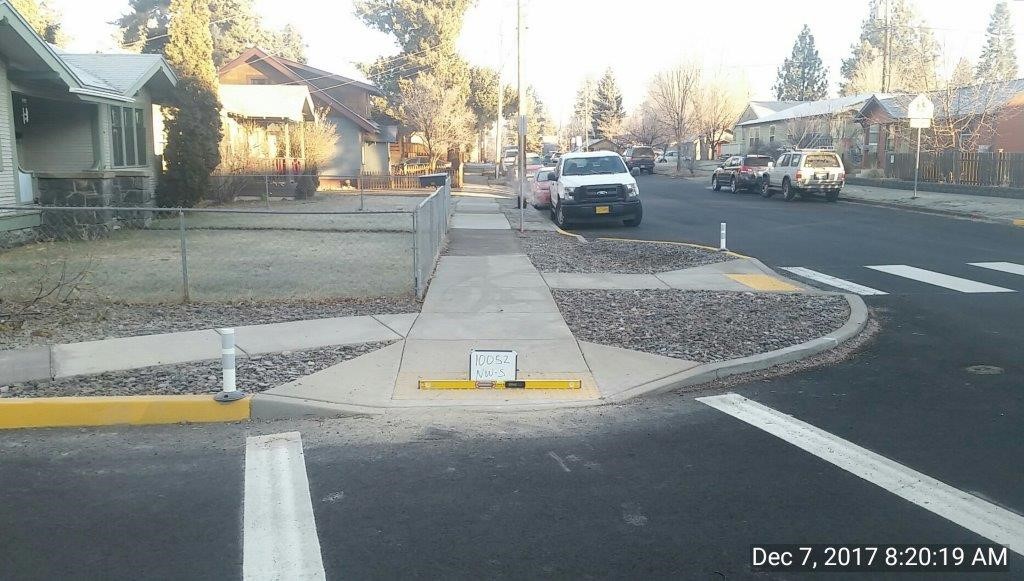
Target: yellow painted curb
column 570, row 234
column 59, row 412
column 521, row 384
column 1019, row 222
column 701, row 246
column 763, row 282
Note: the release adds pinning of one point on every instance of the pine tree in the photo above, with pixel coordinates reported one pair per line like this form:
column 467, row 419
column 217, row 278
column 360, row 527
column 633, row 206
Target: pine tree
column 893, row 41
column 193, row 125
column 286, row 43
column 963, row 74
column 802, row 76
column 583, row 109
column 998, row 60
column 42, row 18
column 608, row 111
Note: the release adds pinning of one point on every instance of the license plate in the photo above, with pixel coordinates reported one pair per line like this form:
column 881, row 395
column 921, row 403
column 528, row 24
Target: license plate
column 603, row 209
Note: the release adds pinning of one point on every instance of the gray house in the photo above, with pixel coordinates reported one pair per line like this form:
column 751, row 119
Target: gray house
column 74, row 129
column 362, row 145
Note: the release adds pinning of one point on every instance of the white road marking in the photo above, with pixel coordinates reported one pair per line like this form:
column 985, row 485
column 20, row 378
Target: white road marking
column 280, row 540
column 833, row 281
column 984, row 518
column 556, row 458
column 938, row 279
column 1009, row 267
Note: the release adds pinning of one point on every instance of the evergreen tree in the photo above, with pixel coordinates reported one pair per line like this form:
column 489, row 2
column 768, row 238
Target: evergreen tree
column 537, row 122
column 963, row 74
column 193, row 124
column 802, row 76
column 998, row 60
column 235, row 27
column 583, row 110
column 42, row 18
column 608, row 112
column 427, row 32
column 895, row 42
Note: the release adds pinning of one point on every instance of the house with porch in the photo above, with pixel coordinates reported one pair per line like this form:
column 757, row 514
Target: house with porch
column 986, row 118
column 263, row 128
column 75, row 129
column 363, row 144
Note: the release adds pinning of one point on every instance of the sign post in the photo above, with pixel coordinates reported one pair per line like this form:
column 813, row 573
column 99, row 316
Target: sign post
column 920, row 111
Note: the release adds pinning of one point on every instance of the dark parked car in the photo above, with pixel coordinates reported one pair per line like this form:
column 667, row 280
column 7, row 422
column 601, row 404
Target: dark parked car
column 740, row 172
column 640, row 157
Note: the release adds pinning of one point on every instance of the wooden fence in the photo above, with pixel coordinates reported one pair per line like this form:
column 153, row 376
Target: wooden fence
column 952, row 167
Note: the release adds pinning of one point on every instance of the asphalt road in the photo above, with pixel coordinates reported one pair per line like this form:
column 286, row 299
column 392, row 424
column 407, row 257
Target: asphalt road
column 663, row 488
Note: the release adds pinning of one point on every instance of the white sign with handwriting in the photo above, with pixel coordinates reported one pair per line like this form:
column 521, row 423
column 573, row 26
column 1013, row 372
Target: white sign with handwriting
column 492, row 365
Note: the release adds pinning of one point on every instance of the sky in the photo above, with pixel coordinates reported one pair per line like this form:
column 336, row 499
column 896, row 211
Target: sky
column 565, row 41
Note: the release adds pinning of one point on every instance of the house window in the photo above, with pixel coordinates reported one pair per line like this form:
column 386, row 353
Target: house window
column 128, row 136
column 259, row 81
column 771, row 135
column 873, row 139
column 755, row 137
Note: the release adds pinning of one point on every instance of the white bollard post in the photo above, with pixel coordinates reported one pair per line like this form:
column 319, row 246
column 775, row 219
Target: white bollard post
column 227, row 359
column 722, row 247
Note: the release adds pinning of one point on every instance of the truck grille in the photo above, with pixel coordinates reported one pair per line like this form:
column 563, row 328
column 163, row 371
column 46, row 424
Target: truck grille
column 602, row 193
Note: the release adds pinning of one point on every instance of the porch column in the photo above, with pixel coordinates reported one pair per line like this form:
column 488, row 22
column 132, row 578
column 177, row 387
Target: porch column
column 287, row 149
column 302, row 146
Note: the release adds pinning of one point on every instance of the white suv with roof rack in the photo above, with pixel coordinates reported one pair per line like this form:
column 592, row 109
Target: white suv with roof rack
column 802, row 171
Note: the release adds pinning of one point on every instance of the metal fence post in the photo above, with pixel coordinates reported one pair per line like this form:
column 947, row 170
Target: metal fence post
column 184, row 256
column 267, row 180
column 415, row 255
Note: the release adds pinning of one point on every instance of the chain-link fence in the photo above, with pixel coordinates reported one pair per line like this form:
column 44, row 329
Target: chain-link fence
column 430, row 225
column 332, row 246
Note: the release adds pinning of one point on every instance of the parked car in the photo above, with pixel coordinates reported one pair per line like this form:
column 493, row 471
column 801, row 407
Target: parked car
column 741, row 172
column 641, row 157
column 508, row 159
column 669, row 157
column 533, row 164
column 594, row 185
column 540, row 188
column 805, row 171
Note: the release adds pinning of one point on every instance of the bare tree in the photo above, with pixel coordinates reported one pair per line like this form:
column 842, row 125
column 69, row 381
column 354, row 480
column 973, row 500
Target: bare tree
column 671, row 95
column 642, row 126
column 716, row 107
column 441, row 115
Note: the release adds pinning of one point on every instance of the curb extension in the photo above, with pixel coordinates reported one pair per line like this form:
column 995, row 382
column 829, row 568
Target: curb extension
column 673, row 243
column 133, row 410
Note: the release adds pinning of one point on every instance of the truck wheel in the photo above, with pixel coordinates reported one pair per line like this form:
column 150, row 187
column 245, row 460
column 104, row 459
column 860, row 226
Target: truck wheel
column 733, row 188
column 634, row 222
column 832, row 196
column 715, row 185
column 560, row 220
column 766, row 187
column 787, row 190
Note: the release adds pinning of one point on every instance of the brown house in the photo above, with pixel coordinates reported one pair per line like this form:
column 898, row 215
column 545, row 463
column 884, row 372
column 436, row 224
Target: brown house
column 362, row 143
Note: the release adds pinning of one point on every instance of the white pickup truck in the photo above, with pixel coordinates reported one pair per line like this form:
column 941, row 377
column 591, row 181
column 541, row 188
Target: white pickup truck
column 804, row 171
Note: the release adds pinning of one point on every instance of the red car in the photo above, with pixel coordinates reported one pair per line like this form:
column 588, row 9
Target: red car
column 540, row 188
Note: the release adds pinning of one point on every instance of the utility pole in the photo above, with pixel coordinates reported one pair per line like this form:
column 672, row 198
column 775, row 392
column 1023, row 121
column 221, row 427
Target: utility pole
column 522, row 114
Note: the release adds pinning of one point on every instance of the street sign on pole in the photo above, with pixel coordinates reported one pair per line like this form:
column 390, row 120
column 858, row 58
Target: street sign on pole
column 920, row 111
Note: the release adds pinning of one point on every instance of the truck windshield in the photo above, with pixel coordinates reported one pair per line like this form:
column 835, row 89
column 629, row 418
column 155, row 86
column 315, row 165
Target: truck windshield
column 587, row 166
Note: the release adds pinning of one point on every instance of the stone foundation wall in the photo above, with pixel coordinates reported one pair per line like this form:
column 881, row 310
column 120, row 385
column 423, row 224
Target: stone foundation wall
column 98, row 194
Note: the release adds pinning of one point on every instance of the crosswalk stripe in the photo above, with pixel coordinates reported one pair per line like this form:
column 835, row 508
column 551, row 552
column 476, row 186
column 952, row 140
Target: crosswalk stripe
column 938, row 279
column 974, row 514
column 1001, row 266
column 833, row 281
column 279, row 533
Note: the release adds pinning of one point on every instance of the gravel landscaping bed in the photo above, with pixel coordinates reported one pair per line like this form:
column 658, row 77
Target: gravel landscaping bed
column 552, row 252
column 74, row 322
column 254, row 374
column 704, row 326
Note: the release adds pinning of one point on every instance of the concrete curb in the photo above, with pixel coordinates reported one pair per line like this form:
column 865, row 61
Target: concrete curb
column 135, row 410
column 935, row 211
column 272, row 407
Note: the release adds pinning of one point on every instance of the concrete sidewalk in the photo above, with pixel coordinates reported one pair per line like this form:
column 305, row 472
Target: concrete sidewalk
column 1004, row 210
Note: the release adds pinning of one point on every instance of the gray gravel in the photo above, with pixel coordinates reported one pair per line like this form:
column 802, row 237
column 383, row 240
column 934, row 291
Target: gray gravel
column 553, row 252
column 704, row 326
column 254, row 374
column 74, row 322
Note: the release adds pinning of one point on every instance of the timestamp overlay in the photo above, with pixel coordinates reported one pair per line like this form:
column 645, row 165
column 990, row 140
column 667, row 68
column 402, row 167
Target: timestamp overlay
column 938, row 558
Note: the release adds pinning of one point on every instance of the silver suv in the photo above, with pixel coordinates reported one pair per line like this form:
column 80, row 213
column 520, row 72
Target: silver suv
column 804, row 171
